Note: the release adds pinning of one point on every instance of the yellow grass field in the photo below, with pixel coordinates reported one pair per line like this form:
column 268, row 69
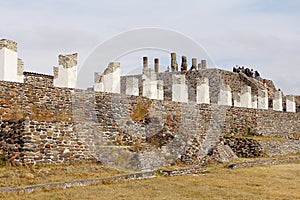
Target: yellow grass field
column 263, row 182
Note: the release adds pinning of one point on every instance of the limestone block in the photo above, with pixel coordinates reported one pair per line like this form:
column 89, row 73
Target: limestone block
column 179, row 88
column 246, row 98
column 150, row 89
column 132, row 86
column 9, row 68
column 65, row 75
column 225, row 96
column 203, row 64
column 203, row 91
column 277, row 101
column 262, row 99
column 237, row 99
column 290, row 103
column 174, row 61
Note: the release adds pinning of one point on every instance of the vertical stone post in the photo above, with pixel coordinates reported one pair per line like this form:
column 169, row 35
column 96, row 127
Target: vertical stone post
column 290, row 103
column 262, row 100
column 194, row 64
column 179, row 88
column 203, row 91
column 183, row 63
column 246, row 99
column 160, row 90
column 237, row 99
column 277, row 101
column 156, row 65
column 203, row 64
column 174, row 61
column 254, row 101
column 145, row 63
column 132, row 86
column 9, row 68
column 65, row 75
column 225, row 96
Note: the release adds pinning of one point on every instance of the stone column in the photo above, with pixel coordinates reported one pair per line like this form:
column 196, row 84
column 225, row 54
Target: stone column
column 65, row 75
column 179, row 88
column 160, row 90
column 254, row 101
column 145, row 63
column 9, row 68
column 132, row 86
column 98, row 81
column 262, row 100
column 237, row 99
column 194, row 64
column 246, row 99
column 156, row 65
column 203, row 64
column 183, row 63
column 109, row 80
column 277, row 101
column 225, row 96
column 203, row 91
column 174, row 61
column 290, row 103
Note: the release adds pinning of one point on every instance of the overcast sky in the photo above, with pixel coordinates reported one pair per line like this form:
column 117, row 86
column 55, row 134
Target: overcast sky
column 263, row 34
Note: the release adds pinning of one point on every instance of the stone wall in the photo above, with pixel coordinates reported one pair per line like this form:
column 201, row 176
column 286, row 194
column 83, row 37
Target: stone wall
column 39, row 80
column 65, row 125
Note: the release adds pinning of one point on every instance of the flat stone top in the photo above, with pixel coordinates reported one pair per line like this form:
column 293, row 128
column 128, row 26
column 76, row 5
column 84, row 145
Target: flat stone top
column 9, row 44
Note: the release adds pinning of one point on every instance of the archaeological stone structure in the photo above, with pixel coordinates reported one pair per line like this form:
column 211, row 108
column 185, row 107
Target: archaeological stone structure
column 141, row 121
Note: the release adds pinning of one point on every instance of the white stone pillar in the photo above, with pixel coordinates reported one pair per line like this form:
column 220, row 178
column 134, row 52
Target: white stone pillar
column 150, row 83
column 277, row 101
column 160, row 90
column 246, row 99
column 225, row 96
column 290, row 103
column 132, row 86
column 179, row 88
column 65, row 75
column 254, row 101
column 262, row 100
column 237, row 99
column 203, row 91
column 109, row 80
column 10, row 69
column 98, row 82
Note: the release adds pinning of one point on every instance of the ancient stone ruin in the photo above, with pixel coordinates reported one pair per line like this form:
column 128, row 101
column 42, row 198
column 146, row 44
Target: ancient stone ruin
column 141, row 121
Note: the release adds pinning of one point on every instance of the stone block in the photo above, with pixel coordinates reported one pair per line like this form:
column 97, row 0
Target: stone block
column 290, row 103
column 277, row 101
column 203, row 91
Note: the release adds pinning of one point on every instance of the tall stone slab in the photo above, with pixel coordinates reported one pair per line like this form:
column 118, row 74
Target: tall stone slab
column 262, row 100
column 179, row 88
column 203, row 64
column 65, row 75
column 10, row 68
column 277, row 101
column 246, row 98
column 132, row 86
column 290, row 103
column 254, row 101
column 160, row 90
column 203, row 91
column 151, row 86
column 109, row 80
column 225, row 96
column 237, row 99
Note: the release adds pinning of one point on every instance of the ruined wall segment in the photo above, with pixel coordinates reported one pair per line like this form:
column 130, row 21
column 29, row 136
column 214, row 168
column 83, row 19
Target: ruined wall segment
column 11, row 69
column 65, row 75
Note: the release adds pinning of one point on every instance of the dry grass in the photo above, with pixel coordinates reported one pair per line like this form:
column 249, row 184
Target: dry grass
column 264, row 182
column 34, row 175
